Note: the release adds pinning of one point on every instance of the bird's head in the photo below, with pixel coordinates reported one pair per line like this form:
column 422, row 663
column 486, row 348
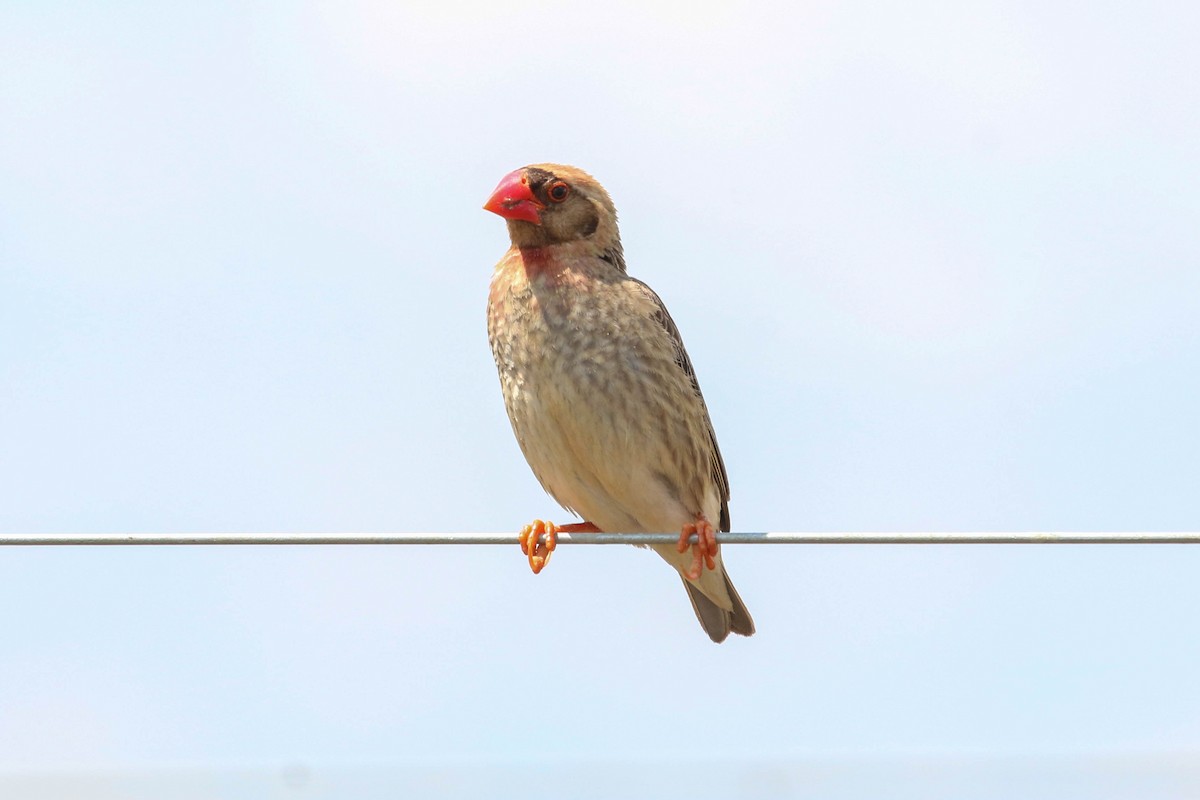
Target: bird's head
column 549, row 204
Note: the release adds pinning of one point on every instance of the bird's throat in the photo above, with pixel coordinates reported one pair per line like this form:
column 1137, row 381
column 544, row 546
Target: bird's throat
column 541, row 262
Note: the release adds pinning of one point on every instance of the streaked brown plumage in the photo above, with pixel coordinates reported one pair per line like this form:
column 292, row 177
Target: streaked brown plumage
column 600, row 391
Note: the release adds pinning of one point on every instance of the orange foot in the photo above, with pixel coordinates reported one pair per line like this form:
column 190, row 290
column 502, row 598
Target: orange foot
column 704, row 549
column 538, row 550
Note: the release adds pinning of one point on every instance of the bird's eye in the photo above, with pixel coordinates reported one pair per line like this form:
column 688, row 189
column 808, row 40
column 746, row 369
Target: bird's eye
column 558, row 191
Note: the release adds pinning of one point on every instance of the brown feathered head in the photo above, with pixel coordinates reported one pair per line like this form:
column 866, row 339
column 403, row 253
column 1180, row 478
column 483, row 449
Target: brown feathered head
column 548, row 204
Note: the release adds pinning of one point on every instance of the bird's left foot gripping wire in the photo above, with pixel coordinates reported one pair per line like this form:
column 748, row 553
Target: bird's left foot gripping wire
column 704, row 549
column 538, row 549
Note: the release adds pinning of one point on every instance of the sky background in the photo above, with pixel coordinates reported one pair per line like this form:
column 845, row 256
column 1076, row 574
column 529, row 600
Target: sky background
column 937, row 267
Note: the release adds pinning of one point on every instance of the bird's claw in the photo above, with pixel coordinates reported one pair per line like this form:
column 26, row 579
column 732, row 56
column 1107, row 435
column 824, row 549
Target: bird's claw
column 704, row 549
column 537, row 548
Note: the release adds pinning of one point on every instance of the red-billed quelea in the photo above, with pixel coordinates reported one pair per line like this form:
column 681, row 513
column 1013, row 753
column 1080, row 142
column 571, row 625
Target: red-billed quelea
column 599, row 389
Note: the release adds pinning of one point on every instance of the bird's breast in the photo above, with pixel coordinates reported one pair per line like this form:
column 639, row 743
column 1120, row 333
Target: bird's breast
column 602, row 412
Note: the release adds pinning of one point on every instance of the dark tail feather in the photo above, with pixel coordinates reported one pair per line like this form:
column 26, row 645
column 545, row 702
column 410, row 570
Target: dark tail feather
column 740, row 621
column 716, row 621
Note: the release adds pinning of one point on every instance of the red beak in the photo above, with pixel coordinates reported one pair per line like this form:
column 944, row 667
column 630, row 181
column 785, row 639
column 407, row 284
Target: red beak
column 514, row 200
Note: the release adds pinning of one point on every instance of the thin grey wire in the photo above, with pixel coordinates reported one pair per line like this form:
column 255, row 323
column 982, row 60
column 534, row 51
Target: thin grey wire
column 939, row 537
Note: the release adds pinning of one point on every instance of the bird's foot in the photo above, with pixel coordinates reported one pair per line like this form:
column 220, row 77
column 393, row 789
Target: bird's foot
column 704, row 549
column 533, row 545
column 538, row 549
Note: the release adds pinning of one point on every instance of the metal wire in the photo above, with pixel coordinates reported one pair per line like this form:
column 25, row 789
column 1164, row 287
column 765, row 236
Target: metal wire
column 1059, row 537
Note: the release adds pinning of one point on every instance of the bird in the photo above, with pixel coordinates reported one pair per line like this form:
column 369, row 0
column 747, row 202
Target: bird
column 599, row 389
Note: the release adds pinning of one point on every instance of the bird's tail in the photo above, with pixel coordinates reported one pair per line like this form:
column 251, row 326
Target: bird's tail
column 718, row 622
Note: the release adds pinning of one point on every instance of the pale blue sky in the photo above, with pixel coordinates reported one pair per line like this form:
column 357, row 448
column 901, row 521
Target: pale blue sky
column 937, row 267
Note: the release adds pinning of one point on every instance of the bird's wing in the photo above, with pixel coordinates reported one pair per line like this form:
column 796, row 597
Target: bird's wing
column 663, row 317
